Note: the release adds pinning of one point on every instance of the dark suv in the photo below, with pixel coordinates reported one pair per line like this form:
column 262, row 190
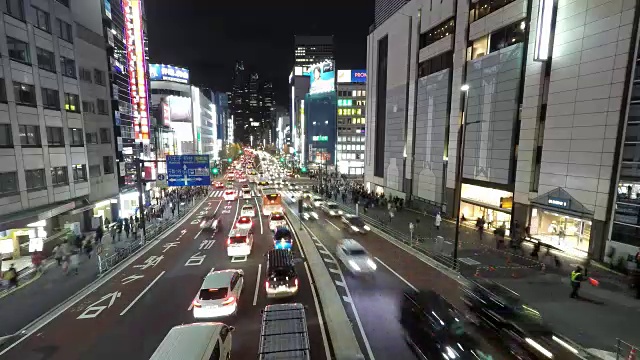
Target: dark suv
column 282, row 279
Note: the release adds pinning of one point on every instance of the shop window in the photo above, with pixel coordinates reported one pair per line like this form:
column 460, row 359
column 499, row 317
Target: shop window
column 75, row 137
column 435, row 64
column 79, row 173
column 483, row 8
column 25, row 94
column 107, row 162
column 46, row 59
column 437, row 33
column 59, row 176
column 507, row 36
column 71, row 102
column 8, row 183
column 35, row 179
column 54, row 136
column 565, row 232
column 29, row 135
column 50, row 99
column 6, row 140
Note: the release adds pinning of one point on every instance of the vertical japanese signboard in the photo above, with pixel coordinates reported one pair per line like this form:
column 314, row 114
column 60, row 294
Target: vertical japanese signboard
column 137, row 69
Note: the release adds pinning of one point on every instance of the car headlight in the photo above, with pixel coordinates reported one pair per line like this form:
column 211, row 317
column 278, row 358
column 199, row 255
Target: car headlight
column 372, row 264
column 332, row 212
column 366, row 227
column 314, row 215
column 353, row 265
column 340, row 212
column 354, row 228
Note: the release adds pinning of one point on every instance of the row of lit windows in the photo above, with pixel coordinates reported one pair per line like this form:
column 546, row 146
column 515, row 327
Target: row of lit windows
column 343, row 156
column 347, row 112
column 342, row 139
column 352, row 121
column 437, row 33
column 351, row 147
column 352, row 93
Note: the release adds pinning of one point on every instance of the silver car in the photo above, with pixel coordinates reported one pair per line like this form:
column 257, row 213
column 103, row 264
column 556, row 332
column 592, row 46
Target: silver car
column 355, row 257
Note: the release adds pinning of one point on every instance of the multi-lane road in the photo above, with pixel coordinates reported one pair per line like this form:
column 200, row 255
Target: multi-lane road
column 130, row 313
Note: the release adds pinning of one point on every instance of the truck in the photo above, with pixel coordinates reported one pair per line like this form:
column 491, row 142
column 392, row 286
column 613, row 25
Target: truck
column 283, row 333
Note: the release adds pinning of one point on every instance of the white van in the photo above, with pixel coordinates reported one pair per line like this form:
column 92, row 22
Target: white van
column 199, row 341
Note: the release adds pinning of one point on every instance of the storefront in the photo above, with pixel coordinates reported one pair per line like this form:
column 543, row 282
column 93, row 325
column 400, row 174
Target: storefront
column 559, row 220
column 492, row 205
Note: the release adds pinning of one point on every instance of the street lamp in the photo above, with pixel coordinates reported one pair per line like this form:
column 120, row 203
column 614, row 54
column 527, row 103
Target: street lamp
column 460, row 159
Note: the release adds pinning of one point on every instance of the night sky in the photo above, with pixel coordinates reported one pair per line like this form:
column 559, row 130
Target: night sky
column 208, row 36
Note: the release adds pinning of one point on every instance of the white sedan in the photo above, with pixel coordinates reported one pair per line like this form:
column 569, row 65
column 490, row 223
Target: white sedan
column 219, row 294
column 317, row 201
column 355, row 257
column 230, row 195
column 331, row 209
column 248, row 210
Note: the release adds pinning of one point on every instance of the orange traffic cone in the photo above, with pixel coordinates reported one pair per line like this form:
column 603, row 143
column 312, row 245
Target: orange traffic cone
column 632, row 354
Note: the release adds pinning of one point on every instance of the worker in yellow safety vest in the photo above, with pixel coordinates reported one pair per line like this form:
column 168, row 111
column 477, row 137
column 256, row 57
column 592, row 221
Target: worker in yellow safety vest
column 576, row 278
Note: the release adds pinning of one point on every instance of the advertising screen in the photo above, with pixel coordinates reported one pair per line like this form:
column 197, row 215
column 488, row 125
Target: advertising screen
column 352, row 76
column 180, row 108
column 322, row 77
column 168, row 73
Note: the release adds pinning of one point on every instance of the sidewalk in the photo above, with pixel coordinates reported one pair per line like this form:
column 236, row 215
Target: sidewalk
column 608, row 312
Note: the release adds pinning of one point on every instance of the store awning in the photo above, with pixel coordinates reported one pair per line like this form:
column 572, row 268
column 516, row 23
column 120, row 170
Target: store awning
column 20, row 219
column 559, row 200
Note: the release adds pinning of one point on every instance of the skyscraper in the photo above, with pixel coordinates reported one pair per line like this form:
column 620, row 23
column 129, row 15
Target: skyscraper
column 311, row 50
column 239, row 104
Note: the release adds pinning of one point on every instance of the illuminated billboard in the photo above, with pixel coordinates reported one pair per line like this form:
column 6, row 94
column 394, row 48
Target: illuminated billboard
column 323, row 77
column 137, row 69
column 168, row 73
column 352, row 76
column 180, row 108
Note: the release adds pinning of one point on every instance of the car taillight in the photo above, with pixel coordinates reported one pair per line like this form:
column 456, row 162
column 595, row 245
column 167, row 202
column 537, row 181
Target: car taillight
column 229, row 301
column 196, row 303
column 296, row 282
column 266, row 285
column 229, row 241
column 247, row 241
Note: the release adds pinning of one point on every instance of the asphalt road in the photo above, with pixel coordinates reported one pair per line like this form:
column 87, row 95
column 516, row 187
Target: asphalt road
column 130, row 314
column 373, row 302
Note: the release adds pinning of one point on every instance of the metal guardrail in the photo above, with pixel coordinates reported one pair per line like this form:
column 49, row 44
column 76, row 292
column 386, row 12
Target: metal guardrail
column 625, row 350
column 108, row 261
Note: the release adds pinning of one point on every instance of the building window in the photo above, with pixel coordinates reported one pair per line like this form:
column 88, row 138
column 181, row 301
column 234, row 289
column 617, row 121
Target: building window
column 435, row 64
column 79, row 173
column 6, row 140
column 102, row 107
column 105, row 135
column 437, row 33
column 43, row 21
column 59, row 176
column 3, row 91
column 18, row 50
column 75, row 136
column 25, row 94
column 507, row 36
column 8, row 183
column 29, row 135
column 35, row 179
column 71, row 102
column 64, row 2
column 92, row 137
column 478, row 48
column 54, row 136
column 85, row 75
column 46, row 59
column 107, row 163
column 88, row 107
column 99, row 76
column 65, row 31
column 483, row 8
column 50, row 99
column 68, row 67
column 94, row 171
column 15, row 8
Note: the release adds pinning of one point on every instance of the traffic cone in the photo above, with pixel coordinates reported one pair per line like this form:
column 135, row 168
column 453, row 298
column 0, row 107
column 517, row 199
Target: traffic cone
column 632, row 354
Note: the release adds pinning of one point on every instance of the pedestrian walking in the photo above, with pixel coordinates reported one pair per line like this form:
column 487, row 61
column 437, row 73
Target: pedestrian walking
column 576, row 278
column 88, row 248
column 57, row 254
column 36, row 260
column 438, row 221
column 11, row 276
column 99, row 234
column 74, row 263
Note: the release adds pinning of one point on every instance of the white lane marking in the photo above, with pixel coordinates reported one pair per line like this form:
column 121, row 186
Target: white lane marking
column 142, row 293
column 259, row 215
column 332, row 224
column 396, row 274
column 320, row 319
column 335, row 271
column 329, row 260
column 218, row 207
column 255, row 295
column 235, row 259
column 323, row 251
column 339, row 283
column 347, row 298
column 45, row 319
column 198, row 234
column 237, row 209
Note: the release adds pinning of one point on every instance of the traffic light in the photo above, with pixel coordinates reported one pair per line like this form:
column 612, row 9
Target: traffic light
column 281, row 159
column 215, row 171
column 229, row 159
column 303, row 169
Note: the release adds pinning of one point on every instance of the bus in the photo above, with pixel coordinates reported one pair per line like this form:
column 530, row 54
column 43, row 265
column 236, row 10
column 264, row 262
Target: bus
column 271, row 201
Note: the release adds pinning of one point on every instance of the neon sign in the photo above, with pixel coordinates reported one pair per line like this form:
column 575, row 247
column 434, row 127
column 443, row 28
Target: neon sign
column 137, row 70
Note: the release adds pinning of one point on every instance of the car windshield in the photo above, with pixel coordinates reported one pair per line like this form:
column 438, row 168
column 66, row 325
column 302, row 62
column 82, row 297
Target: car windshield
column 356, row 252
column 237, row 239
column 356, row 221
column 247, row 208
column 213, row 294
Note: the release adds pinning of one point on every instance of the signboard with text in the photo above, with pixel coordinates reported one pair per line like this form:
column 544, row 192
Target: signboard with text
column 352, row 76
column 168, row 73
column 188, row 170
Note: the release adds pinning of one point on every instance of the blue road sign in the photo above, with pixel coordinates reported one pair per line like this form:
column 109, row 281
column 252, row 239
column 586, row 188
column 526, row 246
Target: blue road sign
column 188, row 170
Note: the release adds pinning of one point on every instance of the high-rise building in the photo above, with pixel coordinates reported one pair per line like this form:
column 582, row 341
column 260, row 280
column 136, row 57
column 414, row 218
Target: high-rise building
column 351, row 88
column 549, row 113
column 239, row 104
column 221, row 102
column 269, row 119
column 311, row 50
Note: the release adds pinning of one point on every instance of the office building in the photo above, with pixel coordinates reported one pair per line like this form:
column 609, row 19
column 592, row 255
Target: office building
column 222, row 116
column 239, row 104
column 311, row 50
column 351, row 88
column 545, row 92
